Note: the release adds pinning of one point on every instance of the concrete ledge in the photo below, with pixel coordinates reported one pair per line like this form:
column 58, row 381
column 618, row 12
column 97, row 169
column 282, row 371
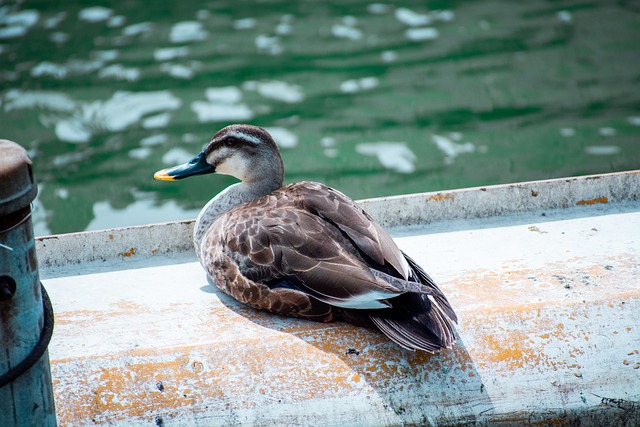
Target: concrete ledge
column 397, row 211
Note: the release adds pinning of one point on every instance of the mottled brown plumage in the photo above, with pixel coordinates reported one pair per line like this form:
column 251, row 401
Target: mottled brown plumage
column 307, row 250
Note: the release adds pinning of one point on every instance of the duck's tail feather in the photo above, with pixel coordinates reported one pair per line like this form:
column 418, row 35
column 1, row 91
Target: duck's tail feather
column 440, row 299
column 429, row 330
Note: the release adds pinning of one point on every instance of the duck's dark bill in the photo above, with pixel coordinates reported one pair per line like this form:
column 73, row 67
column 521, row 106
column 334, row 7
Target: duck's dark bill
column 196, row 166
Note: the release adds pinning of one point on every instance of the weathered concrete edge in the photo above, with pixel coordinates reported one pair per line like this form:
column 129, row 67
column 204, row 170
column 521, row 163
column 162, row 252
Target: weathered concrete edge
column 423, row 208
column 507, row 199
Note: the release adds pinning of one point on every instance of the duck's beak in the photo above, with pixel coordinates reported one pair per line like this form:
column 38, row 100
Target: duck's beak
column 196, row 166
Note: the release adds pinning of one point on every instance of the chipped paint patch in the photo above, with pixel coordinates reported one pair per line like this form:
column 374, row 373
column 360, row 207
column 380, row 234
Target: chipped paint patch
column 439, row 197
column 128, row 253
column 602, row 199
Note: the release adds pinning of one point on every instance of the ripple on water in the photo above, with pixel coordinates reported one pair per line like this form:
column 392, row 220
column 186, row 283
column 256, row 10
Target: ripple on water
column 602, row 150
column 451, row 149
column 276, row 89
column 95, row 14
column 357, row 85
column 122, row 110
column 120, row 72
column 187, row 31
column 16, row 99
column 395, row 156
column 13, row 25
column 283, row 137
column 411, row 18
column 168, row 53
column 244, row 24
column 422, row 34
column 222, row 104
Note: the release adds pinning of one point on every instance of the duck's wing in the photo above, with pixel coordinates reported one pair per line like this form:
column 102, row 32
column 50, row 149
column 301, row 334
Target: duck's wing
column 274, row 241
column 344, row 213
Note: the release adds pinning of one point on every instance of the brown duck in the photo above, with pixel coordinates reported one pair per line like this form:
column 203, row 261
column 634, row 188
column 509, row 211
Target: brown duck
column 305, row 249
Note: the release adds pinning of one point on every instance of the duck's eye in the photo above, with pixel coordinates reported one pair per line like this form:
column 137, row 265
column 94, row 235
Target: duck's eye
column 231, row 140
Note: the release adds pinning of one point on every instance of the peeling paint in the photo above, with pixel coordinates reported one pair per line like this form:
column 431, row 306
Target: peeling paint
column 602, row 199
column 439, row 197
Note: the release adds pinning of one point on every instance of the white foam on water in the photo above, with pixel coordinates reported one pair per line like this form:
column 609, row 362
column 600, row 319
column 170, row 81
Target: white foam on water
column 54, row 21
column 443, row 15
column 122, row 110
column 47, row 68
column 222, row 104
column 276, row 89
column 357, row 85
column 602, row 150
column 564, row 16
column 95, row 14
column 389, row 56
column 13, row 32
column 187, row 31
column 168, row 53
column 283, row 137
column 116, row 21
column 177, row 71
column 395, row 156
column 17, row 24
column 140, row 153
column 328, row 141
column 244, row 24
column 73, row 131
column 456, row 136
column 346, row 32
column 283, row 29
column 635, row 121
column 450, row 148
column 411, row 18
column 61, row 193
column 152, row 140
column 59, row 37
column 119, row 72
column 176, row 156
column 268, row 45
column 16, row 99
column 208, row 111
column 60, row 71
column 331, row 152
column 421, row 34
column 105, row 55
column 137, row 29
column 378, row 8
column 224, row 95
column 156, row 121
column 567, row 132
column 25, row 18
column 607, row 131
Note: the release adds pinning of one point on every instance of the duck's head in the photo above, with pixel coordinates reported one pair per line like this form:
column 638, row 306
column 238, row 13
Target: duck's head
column 246, row 152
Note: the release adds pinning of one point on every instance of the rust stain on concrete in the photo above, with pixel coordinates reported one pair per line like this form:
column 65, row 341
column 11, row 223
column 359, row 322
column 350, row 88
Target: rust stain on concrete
column 602, row 199
column 439, row 197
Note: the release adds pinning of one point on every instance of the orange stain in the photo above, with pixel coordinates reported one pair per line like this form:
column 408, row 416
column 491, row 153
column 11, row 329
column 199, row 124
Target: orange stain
column 439, row 197
column 602, row 199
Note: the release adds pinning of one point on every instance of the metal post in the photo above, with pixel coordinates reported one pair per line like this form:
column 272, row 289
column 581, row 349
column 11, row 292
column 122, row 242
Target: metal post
column 26, row 392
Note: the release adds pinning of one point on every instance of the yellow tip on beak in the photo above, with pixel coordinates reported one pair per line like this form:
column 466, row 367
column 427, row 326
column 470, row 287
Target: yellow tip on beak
column 163, row 176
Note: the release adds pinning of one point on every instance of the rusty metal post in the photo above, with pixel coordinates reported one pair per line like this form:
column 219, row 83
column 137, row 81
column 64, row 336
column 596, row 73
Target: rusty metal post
column 26, row 392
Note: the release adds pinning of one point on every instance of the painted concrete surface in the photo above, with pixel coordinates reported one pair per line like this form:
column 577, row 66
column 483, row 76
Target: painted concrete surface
column 548, row 300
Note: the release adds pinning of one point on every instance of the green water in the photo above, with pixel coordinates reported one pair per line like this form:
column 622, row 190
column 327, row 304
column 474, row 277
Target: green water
column 372, row 98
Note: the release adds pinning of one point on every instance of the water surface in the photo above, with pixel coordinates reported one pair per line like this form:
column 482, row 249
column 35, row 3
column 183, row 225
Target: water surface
column 372, row 98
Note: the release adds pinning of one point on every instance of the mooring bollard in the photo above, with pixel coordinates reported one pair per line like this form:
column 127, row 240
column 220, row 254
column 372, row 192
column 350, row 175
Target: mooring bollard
column 26, row 317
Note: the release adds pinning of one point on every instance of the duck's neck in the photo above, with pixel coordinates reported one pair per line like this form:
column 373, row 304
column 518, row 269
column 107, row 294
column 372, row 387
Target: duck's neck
column 230, row 197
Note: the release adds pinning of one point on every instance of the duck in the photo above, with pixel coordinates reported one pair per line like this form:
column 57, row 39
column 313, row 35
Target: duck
column 305, row 249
